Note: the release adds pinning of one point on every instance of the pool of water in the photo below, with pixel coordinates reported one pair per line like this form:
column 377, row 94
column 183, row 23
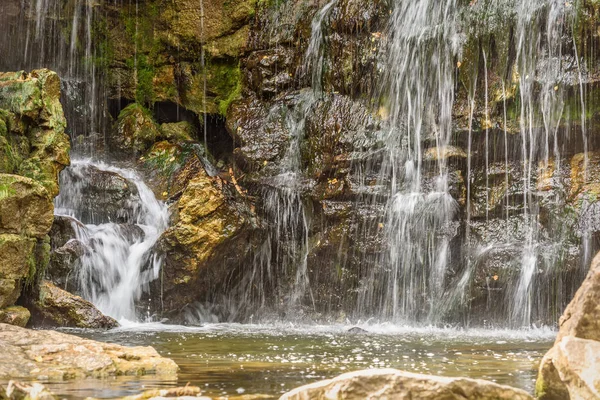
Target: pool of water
column 232, row 361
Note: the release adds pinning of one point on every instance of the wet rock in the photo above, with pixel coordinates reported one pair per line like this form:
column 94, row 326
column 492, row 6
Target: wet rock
column 339, row 132
column 357, row 330
column 187, row 392
column 260, row 133
column 25, row 391
column 15, row 315
column 104, row 196
column 57, row 308
column 209, row 232
column 54, row 356
column 169, row 167
column 63, row 265
column 136, row 130
column 395, row 384
column 25, row 207
column 64, row 228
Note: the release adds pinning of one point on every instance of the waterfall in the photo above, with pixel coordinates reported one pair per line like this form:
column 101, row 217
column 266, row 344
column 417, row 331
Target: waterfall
column 419, row 92
column 118, row 262
column 282, row 260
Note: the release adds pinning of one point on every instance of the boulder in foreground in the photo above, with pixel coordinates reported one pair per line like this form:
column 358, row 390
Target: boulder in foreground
column 570, row 369
column 55, row 356
column 391, row 384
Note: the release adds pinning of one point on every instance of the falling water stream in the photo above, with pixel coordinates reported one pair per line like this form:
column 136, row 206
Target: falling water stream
column 118, row 262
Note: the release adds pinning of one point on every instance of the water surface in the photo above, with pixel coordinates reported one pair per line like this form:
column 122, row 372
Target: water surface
column 229, row 360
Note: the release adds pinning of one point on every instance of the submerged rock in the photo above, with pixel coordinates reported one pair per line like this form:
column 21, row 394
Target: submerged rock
column 395, row 384
column 25, row 391
column 58, row 308
column 55, row 356
column 357, row 330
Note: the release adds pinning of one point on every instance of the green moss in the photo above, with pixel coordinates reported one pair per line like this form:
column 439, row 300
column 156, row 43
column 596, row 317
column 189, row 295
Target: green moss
column 226, row 79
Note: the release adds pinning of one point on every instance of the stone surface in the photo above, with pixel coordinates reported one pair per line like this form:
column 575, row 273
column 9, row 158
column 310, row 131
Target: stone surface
column 25, row 207
column 570, row 371
column 394, row 384
column 15, row 315
column 58, row 308
column 37, row 146
column 582, row 316
column 570, row 368
column 54, row 356
column 208, row 229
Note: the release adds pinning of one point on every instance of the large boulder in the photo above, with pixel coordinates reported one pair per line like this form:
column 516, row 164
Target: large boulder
column 54, row 356
column 400, row 385
column 207, row 241
column 570, row 369
column 58, row 308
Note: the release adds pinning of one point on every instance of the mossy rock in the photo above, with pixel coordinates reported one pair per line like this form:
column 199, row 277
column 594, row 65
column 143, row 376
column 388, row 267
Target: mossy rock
column 15, row 315
column 177, row 131
column 25, row 207
column 137, row 130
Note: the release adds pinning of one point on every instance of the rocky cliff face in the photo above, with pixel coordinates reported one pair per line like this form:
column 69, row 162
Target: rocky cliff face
column 309, row 124
column 294, row 193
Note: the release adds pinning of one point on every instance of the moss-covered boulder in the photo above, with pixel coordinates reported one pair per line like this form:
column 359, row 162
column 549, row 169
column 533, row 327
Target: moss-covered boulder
column 182, row 52
column 136, row 130
column 32, row 127
column 33, row 150
column 177, row 131
column 57, row 308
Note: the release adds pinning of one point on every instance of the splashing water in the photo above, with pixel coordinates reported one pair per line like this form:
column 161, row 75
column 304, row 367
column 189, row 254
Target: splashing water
column 118, row 263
